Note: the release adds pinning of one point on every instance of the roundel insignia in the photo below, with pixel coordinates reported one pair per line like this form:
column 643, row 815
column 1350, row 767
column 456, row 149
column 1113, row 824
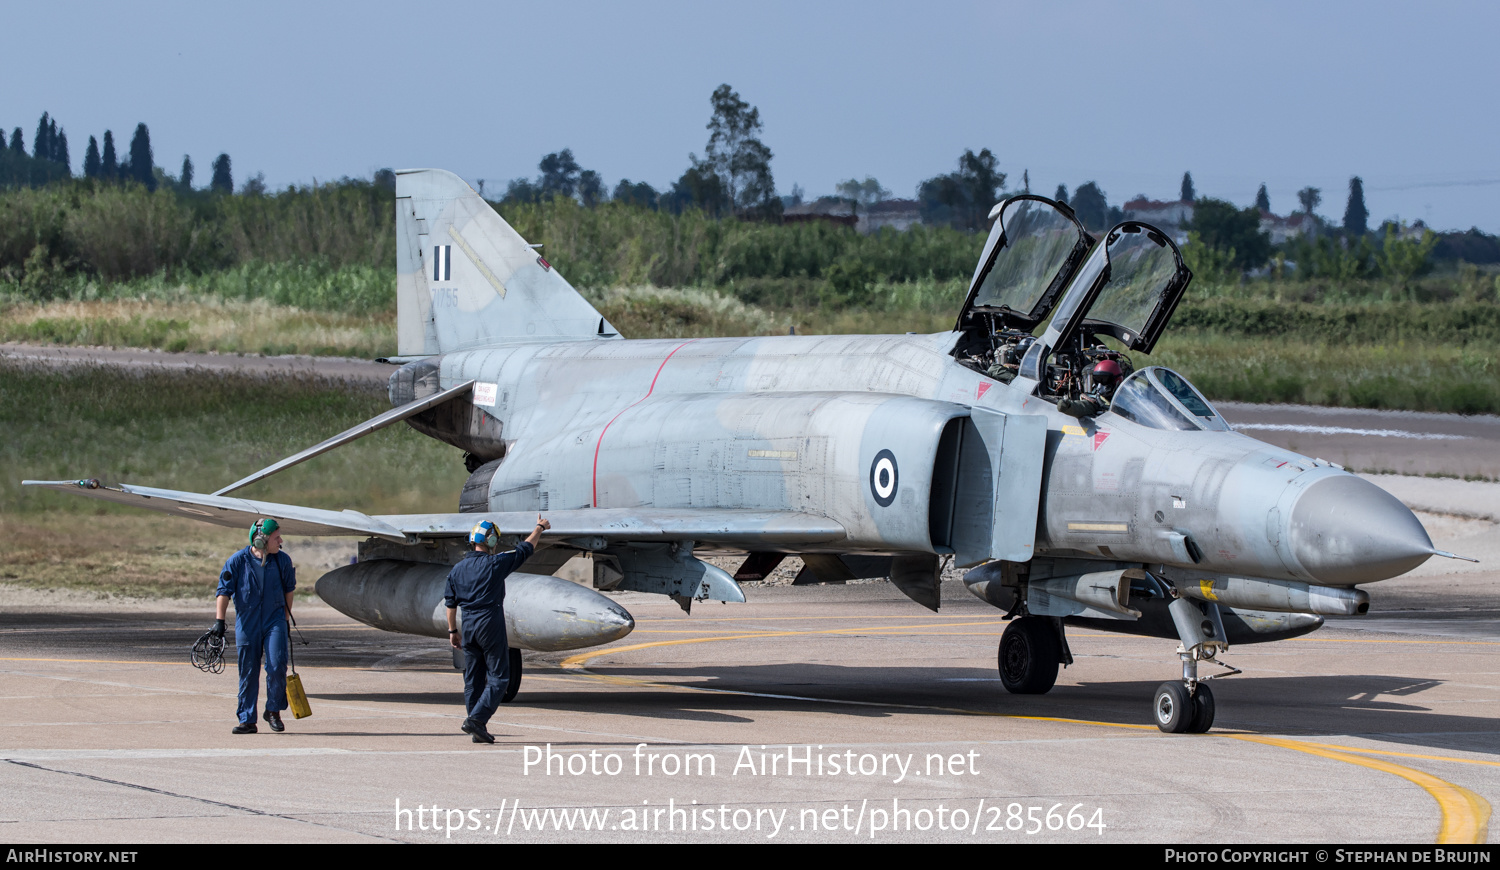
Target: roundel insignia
column 884, row 479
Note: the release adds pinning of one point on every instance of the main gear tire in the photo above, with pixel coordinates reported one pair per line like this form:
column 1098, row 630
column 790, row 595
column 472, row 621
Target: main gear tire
column 513, row 685
column 1203, row 710
column 1172, row 709
column 1029, row 656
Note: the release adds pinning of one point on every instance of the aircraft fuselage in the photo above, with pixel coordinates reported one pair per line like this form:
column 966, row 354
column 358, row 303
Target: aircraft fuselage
column 804, row 423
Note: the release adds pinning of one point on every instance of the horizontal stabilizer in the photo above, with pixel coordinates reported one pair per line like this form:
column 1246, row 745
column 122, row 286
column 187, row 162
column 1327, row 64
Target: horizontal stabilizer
column 374, row 424
column 732, row 527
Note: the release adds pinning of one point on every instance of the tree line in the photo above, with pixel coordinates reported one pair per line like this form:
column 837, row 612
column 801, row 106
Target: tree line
column 733, row 178
column 127, row 217
column 49, row 161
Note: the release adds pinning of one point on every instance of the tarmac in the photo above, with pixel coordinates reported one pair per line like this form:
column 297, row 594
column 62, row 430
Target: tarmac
column 1377, row 731
column 823, row 714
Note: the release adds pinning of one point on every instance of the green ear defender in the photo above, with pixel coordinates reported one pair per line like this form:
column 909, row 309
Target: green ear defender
column 261, row 531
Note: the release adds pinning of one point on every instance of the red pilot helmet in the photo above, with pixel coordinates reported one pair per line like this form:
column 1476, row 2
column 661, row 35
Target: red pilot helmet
column 1106, row 371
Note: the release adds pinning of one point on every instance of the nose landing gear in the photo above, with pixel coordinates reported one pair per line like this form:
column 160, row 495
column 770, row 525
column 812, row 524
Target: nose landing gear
column 1188, row 707
column 1177, row 712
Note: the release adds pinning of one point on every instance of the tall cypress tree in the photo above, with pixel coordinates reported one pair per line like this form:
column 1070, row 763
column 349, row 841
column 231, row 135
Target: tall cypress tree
column 91, row 159
column 1062, row 194
column 110, row 170
column 1263, row 199
column 1356, row 216
column 185, row 180
column 52, row 147
column 1188, row 194
column 17, row 144
column 142, row 164
column 223, row 181
column 41, row 146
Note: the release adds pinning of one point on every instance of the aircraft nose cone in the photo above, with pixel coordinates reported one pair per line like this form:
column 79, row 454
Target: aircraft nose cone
column 1345, row 530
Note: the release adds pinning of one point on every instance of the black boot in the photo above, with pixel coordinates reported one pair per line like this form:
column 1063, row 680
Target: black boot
column 476, row 732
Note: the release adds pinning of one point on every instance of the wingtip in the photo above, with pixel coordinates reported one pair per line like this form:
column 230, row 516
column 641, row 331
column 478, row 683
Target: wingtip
column 85, row 483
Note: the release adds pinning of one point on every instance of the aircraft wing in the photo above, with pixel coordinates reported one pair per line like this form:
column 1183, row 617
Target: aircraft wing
column 229, row 511
column 637, row 524
column 621, row 524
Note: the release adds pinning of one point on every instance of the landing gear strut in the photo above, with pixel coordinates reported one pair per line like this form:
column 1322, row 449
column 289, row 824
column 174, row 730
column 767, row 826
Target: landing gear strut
column 1188, row 707
column 1030, row 650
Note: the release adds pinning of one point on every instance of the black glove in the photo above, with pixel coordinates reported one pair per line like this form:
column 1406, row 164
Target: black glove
column 218, row 629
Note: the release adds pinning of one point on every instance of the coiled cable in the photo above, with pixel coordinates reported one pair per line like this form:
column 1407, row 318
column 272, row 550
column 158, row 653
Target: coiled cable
column 208, row 653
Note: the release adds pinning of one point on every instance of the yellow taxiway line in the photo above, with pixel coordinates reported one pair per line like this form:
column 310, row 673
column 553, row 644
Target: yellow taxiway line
column 1464, row 814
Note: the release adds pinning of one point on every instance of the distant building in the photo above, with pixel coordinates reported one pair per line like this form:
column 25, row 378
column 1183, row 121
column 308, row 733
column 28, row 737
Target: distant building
column 1281, row 229
column 827, row 210
column 1170, row 216
column 1176, row 217
column 898, row 214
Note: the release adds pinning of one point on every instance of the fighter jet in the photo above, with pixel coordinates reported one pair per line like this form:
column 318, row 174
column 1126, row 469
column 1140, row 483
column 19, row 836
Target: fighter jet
column 1080, row 489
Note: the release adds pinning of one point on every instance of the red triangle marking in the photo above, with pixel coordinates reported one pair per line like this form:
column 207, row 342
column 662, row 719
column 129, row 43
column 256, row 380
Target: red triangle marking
column 983, row 388
column 1099, row 438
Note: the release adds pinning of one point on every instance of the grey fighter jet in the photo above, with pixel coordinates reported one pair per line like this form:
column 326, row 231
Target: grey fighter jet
column 1139, row 510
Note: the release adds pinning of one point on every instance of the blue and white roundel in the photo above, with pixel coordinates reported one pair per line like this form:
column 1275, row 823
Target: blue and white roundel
column 884, row 478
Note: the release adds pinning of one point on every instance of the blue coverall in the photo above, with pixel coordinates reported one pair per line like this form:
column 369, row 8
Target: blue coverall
column 477, row 585
column 259, row 624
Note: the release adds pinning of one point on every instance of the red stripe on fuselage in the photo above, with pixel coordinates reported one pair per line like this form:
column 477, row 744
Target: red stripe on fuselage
column 612, row 420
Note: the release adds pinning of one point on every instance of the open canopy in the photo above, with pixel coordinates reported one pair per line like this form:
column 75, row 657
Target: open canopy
column 1128, row 288
column 1033, row 250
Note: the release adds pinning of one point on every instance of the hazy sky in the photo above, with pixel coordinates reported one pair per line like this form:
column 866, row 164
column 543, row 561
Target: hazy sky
column 1128, row 94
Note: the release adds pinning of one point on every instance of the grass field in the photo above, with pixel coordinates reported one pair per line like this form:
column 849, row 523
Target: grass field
column 194, row 431
column 226, row 326
column 1357, row 351
column 136, row 555
column 1414, row 376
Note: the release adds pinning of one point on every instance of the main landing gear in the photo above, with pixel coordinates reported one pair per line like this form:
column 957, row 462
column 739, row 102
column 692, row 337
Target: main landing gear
column 1030, row 650
column 514, row 663
column 514, row 685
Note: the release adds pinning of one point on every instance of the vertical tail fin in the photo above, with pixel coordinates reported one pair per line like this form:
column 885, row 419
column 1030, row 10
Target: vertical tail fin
column 465, row 278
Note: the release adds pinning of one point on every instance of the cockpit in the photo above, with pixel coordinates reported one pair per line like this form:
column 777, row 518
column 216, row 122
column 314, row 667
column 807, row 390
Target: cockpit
column 1160, row 398
column 1045, row 296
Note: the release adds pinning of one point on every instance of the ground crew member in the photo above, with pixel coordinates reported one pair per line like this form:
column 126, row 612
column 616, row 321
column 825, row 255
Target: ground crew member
column 260, row 579
column 477, row 584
